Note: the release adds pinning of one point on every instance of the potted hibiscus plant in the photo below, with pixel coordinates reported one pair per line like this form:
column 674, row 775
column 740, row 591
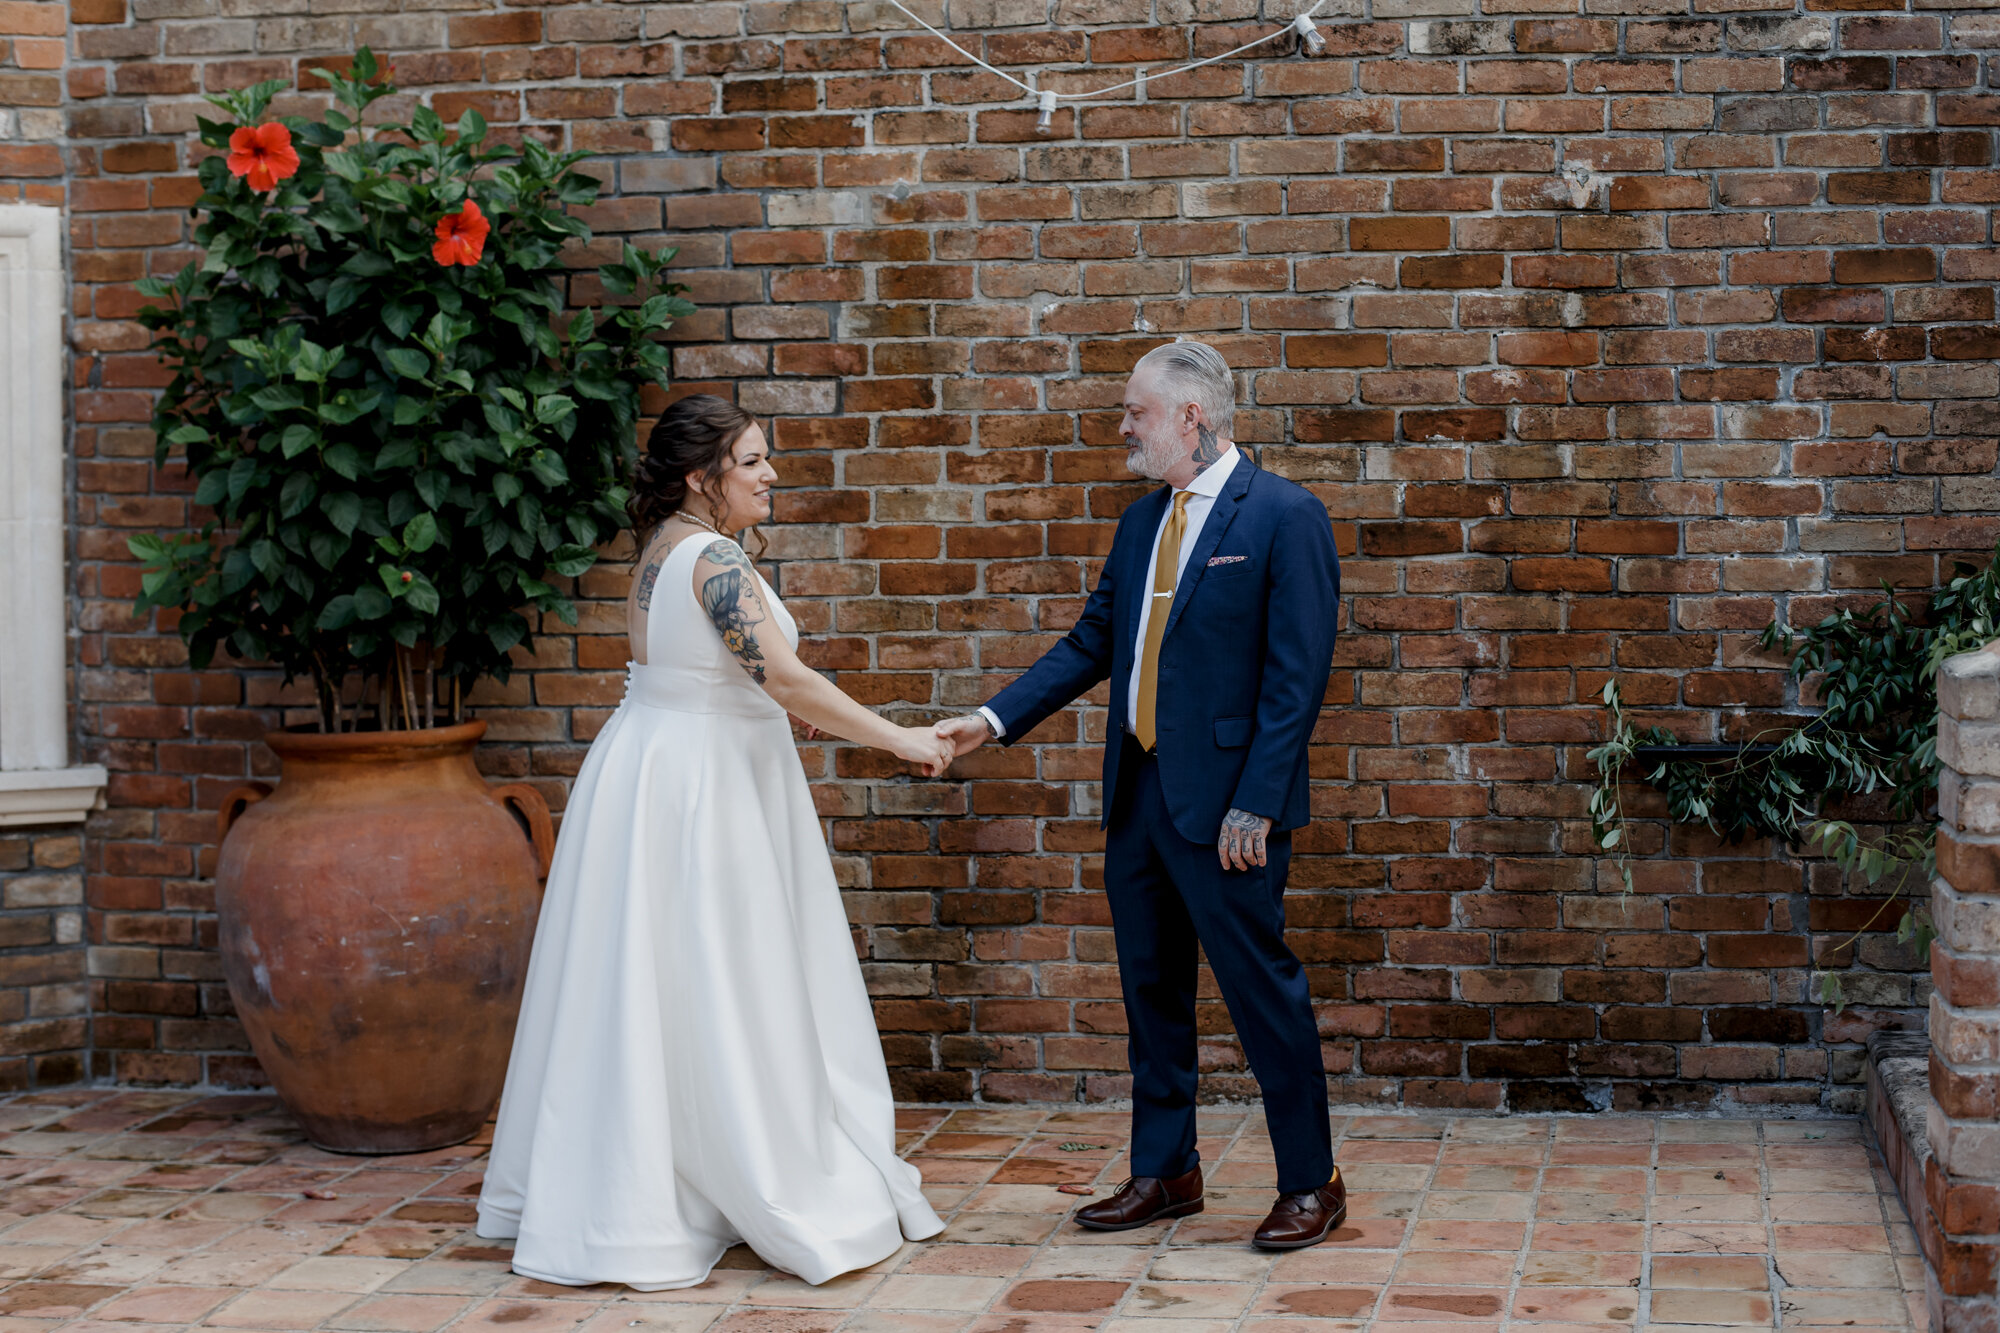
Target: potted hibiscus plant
column 409, row 445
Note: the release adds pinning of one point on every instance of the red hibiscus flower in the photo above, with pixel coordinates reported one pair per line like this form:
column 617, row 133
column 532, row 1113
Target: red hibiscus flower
column 461, row 236
column 264, row 153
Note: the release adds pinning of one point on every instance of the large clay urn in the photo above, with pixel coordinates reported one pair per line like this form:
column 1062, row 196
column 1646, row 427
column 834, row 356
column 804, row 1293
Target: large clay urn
column 376, row 913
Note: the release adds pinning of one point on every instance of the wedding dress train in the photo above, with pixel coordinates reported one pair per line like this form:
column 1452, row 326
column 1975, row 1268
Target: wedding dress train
column 696, row 1062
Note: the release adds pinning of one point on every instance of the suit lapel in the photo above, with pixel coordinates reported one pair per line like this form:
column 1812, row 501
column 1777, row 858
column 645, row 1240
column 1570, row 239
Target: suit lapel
column 1219, row 517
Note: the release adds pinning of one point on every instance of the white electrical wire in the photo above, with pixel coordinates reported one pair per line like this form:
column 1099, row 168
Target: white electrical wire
column 1297, row 25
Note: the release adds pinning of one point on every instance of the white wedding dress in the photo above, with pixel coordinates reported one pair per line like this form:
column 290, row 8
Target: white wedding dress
column 696, row 1062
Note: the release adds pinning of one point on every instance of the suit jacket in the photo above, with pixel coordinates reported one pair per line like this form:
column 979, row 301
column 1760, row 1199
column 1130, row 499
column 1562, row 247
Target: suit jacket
column 1244, row 664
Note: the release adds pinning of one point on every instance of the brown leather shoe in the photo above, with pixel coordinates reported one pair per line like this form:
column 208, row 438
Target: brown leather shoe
column 1144, row 1199
column 1305, row 1219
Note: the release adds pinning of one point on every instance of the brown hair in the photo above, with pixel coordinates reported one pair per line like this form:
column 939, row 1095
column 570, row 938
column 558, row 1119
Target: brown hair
column 696, row 434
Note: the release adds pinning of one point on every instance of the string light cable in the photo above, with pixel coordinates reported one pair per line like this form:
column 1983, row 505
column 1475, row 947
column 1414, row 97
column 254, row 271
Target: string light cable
column 1311, row 42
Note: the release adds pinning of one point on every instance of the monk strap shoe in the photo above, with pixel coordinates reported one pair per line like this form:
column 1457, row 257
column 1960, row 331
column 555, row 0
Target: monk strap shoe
column 1305, row 1219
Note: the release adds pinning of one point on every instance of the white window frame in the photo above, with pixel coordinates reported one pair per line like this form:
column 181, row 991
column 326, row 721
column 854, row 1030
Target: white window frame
column 38, row 784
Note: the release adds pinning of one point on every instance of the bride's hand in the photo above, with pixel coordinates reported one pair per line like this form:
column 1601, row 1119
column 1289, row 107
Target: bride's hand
column 924, row 747
column 812, row 733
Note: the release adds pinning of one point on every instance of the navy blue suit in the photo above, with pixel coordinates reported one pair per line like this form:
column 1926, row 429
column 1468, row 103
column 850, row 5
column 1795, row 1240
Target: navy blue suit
column 1242, row 672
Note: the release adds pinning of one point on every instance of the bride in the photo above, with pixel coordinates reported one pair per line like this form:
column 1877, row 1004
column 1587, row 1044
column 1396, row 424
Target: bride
column 696, row 1062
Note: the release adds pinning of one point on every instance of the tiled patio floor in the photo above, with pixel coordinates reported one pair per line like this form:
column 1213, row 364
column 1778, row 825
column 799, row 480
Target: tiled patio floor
column 137, row 1211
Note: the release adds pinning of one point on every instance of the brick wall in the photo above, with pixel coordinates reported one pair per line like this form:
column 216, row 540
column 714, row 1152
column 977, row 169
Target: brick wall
column 1958, row 1222
column 1605, row 337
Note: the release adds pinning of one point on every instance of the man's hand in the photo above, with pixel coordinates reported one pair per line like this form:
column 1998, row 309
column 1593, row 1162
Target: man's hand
column 966, row 734
column 1241, row 844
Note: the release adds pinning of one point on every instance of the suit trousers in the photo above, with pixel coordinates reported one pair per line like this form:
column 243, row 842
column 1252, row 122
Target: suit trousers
column 1168, row 896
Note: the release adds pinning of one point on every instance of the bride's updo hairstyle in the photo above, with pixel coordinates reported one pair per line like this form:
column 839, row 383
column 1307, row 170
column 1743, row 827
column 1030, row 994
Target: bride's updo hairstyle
column 697, row 434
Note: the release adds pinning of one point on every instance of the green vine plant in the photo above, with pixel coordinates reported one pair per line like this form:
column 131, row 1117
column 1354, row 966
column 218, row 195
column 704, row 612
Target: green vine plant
column 1876, row 676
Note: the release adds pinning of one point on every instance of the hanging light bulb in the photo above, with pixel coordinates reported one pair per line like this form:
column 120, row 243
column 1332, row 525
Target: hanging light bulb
column 1046, row 120
column 1309, row 38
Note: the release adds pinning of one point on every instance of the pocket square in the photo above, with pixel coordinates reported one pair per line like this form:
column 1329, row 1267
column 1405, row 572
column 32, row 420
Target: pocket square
column 1225, row 560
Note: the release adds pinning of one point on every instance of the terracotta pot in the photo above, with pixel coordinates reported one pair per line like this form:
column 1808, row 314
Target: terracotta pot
column 376, row 913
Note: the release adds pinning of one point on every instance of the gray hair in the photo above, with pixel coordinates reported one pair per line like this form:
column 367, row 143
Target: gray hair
column 1196, row 373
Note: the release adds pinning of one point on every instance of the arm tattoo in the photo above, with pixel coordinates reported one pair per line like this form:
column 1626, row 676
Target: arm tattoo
column 1207, row 450
column 722, row 598
column 646, row 578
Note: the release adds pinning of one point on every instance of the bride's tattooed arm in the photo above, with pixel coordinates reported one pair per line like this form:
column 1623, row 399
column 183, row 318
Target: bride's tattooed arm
column 733, row 606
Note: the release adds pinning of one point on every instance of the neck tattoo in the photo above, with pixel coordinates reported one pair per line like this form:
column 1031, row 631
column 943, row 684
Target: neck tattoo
column 1208, row 450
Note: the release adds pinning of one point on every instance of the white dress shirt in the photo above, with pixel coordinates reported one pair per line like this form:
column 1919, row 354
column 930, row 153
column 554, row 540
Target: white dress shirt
column 1201, row 498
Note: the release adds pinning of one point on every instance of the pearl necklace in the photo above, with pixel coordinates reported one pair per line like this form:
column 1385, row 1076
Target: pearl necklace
column 693, row 517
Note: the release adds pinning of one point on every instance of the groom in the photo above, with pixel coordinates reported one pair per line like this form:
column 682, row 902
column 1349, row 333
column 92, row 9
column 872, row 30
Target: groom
column 1214, row 620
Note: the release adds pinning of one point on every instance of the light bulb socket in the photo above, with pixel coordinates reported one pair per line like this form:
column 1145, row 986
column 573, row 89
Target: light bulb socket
column 1045, row 121
column 1310, row 40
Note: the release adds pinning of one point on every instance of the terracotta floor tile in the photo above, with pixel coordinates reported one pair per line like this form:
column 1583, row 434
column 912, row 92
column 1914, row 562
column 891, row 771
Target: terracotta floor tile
column 653, row 1318
column 1319, row 1302
column 936, row 1291
column 1452, row 1234
column 1832, row 1239
column 905, row 1321
column 1878, row 1271
column 1328, row 1266
column 1576, row 1269
column 1513, row 1179
column 1063, row 1296
column 53, row 1300
column 845, row 1292
column 1601, row 1154
column 1124, row 1262
column 1566, row 1237
column 1800, row 1306
column 966, row 1260
column 338, row 1273
column 1596, row 1179
column 1707, row 1238
column 165, row 1305
column 261, row 1309
column 445, row 1277
column 1862, row 1208
column 1711, row 1272
column 1462, row 1268
column 1707, row 1208
column 1587, row 1305
column 108, row 1264
column 1470, row 1152
column 1189, row 1300
column 1401, row 1303
column 1477, row 1205
column 405, row 1241
column 1711, row 1307
column 1589, row 1207
column 1001, row 1228
column 1192, row 1265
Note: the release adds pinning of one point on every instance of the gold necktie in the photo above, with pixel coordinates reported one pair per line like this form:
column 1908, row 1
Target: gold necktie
column 1166, row 573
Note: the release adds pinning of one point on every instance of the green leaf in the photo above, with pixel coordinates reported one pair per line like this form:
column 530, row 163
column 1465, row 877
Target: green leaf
column 408, row 362
column 371, row 603
column 420, row 533
column 344, row 459
column 343, row 510
column 548, row 468
column 399, row 317
column 296, row 494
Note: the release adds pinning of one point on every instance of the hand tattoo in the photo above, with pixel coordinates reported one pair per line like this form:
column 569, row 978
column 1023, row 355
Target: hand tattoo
column 722, row 598
column 1242, row 841
column 1207, row 450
